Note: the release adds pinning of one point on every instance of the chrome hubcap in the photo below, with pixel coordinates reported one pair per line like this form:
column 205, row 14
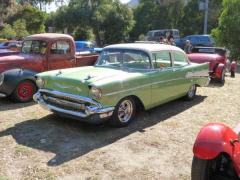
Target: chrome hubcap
column 125, row 111
column 191, row 91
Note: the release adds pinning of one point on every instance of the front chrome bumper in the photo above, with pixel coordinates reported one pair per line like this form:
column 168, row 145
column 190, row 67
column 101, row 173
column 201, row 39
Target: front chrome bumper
column 76, row 107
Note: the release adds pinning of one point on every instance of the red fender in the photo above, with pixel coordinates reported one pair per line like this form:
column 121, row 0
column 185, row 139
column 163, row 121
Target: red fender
column 218, row 71
column 213, row 139
column 233, row 66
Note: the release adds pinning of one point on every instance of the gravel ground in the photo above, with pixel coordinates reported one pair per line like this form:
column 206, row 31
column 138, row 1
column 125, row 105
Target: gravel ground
column 36, row 144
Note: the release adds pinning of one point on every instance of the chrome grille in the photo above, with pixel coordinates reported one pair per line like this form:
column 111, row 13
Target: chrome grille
column 67, row 101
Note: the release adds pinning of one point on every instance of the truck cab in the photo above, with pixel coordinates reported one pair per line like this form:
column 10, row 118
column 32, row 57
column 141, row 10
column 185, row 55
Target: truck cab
column 39, row 52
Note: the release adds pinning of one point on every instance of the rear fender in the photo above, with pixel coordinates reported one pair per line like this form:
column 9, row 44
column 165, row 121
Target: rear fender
column 13, row 77
column 218, row 71
column 233, row 66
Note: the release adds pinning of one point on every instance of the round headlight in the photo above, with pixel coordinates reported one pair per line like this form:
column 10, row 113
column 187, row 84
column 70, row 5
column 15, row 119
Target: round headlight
column 1, row 78
column 95, row 93
column 40, row 82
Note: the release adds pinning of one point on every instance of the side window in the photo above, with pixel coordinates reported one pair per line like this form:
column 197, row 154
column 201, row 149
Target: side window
column 194, row 39
column 136, row 59
column 60, row 47
column 179, row 59
column 162, row 60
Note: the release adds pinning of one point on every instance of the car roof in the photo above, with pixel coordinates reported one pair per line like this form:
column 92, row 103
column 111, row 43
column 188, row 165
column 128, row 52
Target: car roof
column 145, row 47
column 199, row 35
column 48, row 36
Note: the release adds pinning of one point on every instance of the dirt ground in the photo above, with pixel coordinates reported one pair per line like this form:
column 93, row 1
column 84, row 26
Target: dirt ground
column 36, row 144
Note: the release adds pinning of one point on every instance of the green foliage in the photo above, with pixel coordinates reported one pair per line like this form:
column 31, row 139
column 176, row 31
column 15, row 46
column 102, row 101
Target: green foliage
column 117, row 23
column 228, row 30
column 35, row 19
column 83, row 34
column 20, row 28
column 142, row 37
column 8, row 32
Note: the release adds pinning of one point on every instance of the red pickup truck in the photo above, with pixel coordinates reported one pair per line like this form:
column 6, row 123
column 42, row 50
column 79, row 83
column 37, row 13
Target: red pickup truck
column 39, row 52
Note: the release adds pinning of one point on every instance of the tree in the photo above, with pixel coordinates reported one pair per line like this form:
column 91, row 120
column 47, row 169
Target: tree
column 228, row 30
column 192, row 22
column 8, row 32
column 93, row 14
column 34, row 19
column 117, row 23
column 20, row 28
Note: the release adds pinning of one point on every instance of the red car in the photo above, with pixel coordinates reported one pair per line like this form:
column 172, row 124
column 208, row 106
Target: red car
column 216, row 153
column 8, row 44
column 217, row 57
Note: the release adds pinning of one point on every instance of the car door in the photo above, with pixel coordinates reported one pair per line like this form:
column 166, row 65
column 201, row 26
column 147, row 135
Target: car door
column 169, row 76
column 60, row 55
column 194, row 40
column 163, row 78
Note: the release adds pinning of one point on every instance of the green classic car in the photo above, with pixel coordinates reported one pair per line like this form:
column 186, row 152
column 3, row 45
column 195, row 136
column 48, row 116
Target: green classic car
column 125, row 77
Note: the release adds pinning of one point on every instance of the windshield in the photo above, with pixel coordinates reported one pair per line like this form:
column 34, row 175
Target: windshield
column 34, row 47
column 124, row 58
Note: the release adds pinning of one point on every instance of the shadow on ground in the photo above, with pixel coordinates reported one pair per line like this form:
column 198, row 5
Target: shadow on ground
column 70, row 139
column 8, row 104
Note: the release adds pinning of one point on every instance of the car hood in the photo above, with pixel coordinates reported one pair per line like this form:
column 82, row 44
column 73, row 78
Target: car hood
column 77, row 80
column 202, row 58
column 17, row 61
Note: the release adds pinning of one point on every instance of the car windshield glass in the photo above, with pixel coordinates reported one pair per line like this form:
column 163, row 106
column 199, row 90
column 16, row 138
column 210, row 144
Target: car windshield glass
column 34, row 47
column 124, row 58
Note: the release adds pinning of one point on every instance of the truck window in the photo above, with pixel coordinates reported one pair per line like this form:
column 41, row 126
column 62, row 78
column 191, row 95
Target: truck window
column 60, row 47
column 34, row 47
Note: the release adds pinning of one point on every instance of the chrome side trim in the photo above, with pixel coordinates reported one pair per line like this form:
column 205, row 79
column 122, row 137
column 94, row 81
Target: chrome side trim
column 141, row 86
column 188, row 75
column 202, row 73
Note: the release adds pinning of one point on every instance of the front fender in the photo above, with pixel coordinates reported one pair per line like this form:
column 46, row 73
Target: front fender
column 213, row 139
column 13, row 77
column 218, row 71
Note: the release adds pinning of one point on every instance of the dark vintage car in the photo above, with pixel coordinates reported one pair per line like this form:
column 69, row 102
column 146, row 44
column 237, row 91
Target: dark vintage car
column 216, row 153
column 217, row 57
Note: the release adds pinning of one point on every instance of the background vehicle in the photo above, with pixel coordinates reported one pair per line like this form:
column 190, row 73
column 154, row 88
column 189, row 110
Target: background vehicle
column 167, row 33
column 217, row 57
column 9, row 44
column 39, row 52
column 125, row 77
column 216, row 153
column 196, row 40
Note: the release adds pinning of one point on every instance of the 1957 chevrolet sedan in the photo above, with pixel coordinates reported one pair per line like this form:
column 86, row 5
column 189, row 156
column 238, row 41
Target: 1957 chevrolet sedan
column 125, row 77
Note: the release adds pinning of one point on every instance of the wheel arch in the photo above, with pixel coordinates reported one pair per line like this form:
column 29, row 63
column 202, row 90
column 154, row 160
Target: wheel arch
column 14, row 76
column 213, row 139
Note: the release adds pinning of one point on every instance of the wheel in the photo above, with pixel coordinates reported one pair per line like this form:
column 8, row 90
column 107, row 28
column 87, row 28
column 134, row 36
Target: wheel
column 219, row 168
column 191, row 93
column 24, row 91
column 222, row 78
column 232, row 73
column 123, row 113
